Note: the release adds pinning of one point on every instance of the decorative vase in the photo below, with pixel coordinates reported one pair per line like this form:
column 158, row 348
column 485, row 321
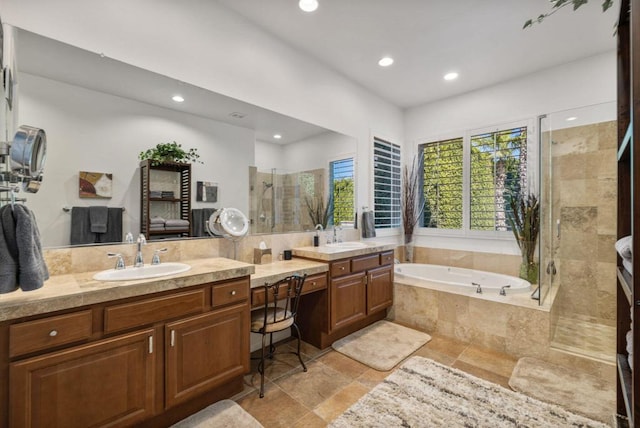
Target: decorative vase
column 408, row 248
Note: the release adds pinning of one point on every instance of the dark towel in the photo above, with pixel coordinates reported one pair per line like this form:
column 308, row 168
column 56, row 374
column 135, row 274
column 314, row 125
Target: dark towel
column 368, row 225
column 114, row 226
column 81, row 227
column 32, row 269
column 8, row 251
column 199, row 219
column 98, row 219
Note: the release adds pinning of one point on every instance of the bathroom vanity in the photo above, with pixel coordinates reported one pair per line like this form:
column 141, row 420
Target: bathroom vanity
column 90, row 353
column 359, row 290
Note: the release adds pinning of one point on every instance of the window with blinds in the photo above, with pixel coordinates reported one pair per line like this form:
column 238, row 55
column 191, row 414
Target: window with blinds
column 498, row 172
column 442, row 184
column 342, row 191
column 386, row 184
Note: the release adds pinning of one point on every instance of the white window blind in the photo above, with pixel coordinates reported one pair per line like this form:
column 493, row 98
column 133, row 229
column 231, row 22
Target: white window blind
column 386, row 184
column 342, row 190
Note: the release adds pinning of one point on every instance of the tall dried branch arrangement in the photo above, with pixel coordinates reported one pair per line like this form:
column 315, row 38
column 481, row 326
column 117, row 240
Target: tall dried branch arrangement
column 525, row 223
column 319, row 212
column 411, row 211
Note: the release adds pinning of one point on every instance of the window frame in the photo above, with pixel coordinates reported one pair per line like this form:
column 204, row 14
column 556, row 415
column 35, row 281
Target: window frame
column 339, row 158
column 393, row 229
column 532, row 174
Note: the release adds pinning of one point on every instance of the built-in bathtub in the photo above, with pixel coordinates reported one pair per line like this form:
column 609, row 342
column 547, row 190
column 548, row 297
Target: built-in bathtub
column 461, row 279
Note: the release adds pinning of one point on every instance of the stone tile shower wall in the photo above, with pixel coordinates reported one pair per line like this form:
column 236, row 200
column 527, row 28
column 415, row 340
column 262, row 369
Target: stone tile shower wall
column 583, row 188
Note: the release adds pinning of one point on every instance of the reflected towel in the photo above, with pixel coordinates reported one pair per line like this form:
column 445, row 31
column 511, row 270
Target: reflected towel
column 199, row 219
column 368, row 225
column 114, row 226
column 175, row 222
column 98, row 219
column 81, row 227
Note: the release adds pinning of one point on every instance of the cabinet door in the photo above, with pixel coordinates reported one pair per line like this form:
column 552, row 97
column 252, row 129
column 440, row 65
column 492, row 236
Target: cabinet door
column 379, row 289
column 205, row 351
column 107, row 383
column 348, row 300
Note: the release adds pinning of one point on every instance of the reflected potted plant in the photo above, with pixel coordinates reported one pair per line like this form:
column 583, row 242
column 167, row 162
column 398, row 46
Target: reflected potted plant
column 411, row 212
column 319, row 212
column 169, row 152
column 524, row 220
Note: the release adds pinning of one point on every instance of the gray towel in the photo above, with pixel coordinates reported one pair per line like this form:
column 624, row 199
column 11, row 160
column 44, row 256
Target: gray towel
column 199, row 219
column 177, row 222
column 368, row 225
column 32, row 269
column 81, row 227
column 98, row 219
column 8, row 251
column 114, row 227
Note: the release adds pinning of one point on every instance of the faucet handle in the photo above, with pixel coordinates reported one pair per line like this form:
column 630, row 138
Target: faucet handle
column 155, row 260
column 142, row 239
column 128, row 238
column 119, row 262
column 502, row 289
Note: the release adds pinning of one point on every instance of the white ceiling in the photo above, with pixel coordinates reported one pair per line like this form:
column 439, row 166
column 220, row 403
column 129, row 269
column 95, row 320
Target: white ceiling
column 483, row 40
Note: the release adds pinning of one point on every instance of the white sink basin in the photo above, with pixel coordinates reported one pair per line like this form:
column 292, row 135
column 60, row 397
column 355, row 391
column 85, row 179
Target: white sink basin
column 146, row 271
column 349, row 245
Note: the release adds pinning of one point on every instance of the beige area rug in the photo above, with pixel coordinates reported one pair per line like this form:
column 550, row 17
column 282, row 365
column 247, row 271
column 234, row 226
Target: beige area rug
column 225, row 413
column 381, row 345
column 423, row 393
column 580, row 392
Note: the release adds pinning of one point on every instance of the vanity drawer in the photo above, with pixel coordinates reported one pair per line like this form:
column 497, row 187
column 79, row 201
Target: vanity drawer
column 128, row 315
column 340, row 268
column 363, row 263
column 314, row 282
column 45, row 333
column 386, row 258
column 231, row 292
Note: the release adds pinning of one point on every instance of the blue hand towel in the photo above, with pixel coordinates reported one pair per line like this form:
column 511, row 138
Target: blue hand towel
column 98, row 219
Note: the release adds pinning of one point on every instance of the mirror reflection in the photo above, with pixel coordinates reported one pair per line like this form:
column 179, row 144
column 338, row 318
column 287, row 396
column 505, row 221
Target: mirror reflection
column 99, row 114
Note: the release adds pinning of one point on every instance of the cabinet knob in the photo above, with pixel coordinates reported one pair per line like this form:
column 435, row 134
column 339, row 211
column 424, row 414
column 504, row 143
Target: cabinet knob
column 233, row 293
column 341, row 267
column 53, row 333
column 313, row 283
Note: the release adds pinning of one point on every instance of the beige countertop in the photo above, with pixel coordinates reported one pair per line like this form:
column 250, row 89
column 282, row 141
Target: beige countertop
column 274, row 271
column 330, row 253
column 74, row 290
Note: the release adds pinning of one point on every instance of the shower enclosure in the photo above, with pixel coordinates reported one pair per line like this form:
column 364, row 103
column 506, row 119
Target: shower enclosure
column 278, row 199
column 578, row 228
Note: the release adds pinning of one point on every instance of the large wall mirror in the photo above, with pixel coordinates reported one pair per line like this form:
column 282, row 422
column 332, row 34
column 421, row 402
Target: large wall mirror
column 99, row 114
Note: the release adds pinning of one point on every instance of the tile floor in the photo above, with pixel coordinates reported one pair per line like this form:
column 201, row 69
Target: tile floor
column 585, row 337
column 334, row 382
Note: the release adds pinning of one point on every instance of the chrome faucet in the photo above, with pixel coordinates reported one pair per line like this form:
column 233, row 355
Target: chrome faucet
column 478, row 287
column 502, row 290
column 139, row 262
column 155, row 260
column 119, row 261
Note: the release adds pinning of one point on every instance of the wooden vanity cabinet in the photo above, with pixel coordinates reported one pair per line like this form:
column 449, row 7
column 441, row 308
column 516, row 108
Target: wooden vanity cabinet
column 360, row 290
column 145, row 361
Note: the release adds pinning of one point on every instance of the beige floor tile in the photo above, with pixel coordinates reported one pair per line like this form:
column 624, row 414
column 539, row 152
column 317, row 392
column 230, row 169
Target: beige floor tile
column 343, row 364
column 446, row 346
column 372, row 377
column 427, row 352
column 316, row 385
column 493, row 361
column 282, row 363
column 310, row 420
column 338, row 403
column 482, row 373
column 276, row 409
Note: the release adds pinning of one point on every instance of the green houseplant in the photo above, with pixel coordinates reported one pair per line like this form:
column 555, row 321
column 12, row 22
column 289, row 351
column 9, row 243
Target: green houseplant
column 524, row 220
column 169, row 152
column 319, row 212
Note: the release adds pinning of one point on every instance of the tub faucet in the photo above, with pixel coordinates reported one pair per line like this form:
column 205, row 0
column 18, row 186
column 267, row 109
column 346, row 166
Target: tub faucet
column 478, row 287
column 502, row 290
column 139, row 262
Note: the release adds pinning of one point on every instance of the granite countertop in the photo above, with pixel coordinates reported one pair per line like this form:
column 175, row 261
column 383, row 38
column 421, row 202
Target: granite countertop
column 330, row 253
column 272, row 272
column 74, row 290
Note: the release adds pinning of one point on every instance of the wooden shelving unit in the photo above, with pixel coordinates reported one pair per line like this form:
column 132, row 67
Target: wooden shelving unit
column 628, row 286
column 182, row 201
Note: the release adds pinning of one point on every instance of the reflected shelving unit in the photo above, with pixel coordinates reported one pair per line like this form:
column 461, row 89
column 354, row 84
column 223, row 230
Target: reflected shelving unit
column 628, row 287
column 164, row 177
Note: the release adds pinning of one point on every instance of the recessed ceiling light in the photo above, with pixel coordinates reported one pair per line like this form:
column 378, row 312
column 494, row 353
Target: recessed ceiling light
column 569, row 119
column 385, row 61
column 451, row 76
column 277, row 136
column 308, row 5
column 177, row 98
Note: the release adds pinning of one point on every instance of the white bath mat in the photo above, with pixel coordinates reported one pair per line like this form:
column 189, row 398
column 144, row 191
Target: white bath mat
column 423, row 393
column 225, row 413
column 382, row 345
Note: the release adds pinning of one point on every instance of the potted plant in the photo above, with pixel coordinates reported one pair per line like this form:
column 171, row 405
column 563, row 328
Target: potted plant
column 319, row 212
column 524, row 220
column 169, row 152
column 411, row 213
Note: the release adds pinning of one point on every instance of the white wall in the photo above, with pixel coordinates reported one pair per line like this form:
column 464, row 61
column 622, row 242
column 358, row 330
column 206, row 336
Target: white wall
column 269, row 155
column 318, row 151
column 97, row 132
column 202, row 43
column 587, row 82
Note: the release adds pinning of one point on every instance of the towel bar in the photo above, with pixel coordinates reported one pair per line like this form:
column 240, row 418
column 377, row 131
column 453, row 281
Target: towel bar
column 68, row 209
